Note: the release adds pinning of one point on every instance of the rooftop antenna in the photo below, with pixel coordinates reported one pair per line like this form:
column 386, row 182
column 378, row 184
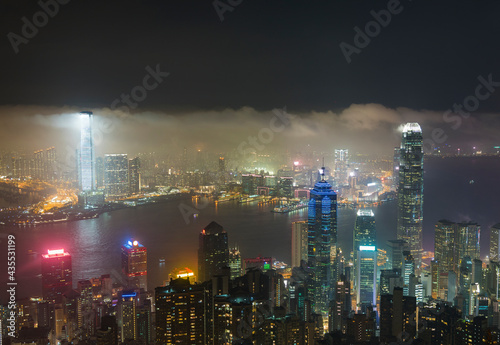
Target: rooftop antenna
column 322, row 170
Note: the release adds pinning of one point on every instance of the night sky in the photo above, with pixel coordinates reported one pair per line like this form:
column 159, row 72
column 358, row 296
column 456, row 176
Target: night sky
column 262, row 55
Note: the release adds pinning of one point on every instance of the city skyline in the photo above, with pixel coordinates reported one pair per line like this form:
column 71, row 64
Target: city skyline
column 232, row 172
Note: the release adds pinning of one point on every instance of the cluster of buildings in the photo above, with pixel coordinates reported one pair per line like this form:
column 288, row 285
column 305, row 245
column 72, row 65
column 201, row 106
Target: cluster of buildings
column 41, row 165
column 327, row 296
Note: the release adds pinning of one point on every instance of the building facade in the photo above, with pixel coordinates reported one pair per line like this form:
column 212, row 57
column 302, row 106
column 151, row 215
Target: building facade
column 411, row 190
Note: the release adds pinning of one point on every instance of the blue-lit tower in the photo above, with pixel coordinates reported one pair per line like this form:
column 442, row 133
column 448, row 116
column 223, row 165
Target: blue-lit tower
column 322, row 242
column 86, row 155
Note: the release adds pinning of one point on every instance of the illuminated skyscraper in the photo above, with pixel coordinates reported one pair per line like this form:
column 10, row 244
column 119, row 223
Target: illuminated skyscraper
column 411, row 190
column 408, row 272
column 469, row 235
column 127, row 310
column 445, row 246
column 395, row 169
column 494, row 242
column 57, row 277
column 99, row 171
column 364, row 231
column 182, row 313
column 134, row 175
column 44, row 165
column 116, row 175
column 341, row 166
column 213, row 252
column 135, row 265
column 395, row 253
column 86, row 155
column 235, row 262
column 299, row 242
column 322, row 242
column 366, row 277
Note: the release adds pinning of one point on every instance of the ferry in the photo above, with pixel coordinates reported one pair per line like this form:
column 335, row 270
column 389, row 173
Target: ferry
column 290, row 207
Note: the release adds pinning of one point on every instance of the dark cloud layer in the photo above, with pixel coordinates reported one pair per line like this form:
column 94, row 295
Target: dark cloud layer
column 367, row 128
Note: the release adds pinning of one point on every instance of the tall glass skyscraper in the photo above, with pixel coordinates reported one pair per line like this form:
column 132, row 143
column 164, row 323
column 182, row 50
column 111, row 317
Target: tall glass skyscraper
column 86, row 156
column 411, row 190
column 213, row 252
column 322, row 242
column 364, row 230
column 364, row 235
column 366, row 277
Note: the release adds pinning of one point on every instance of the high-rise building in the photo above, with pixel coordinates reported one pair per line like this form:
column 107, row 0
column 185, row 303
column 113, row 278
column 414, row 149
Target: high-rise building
column 134, row 175
column 127, row 322
column 341, row 166
column 445, row 246
column 395, row 252
column 366, row 278
column 477, row 272
column 411, row 190
column 341, row 306
column 57, row 277
column 285, row 187
column 213, row 252
column 250, row 182
column 116, row 175
column 108, row 333
column 86, row 155
column 99, row 172
column 299, row 242
column 453, row 242
column 434, row 280
column 494, row 242
column 222, row 171
column 364, row 233
column 44, row 165
column 468, row 240
column 135, row 265
column 322, row 242
column 471, row 331
column 395, row 169
column 408, row 271
column 389, row 279
column 396, row 317
column 235, row 262
column 182, row 313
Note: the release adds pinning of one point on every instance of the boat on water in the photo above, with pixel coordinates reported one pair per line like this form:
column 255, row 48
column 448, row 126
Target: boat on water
column 289, row 207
